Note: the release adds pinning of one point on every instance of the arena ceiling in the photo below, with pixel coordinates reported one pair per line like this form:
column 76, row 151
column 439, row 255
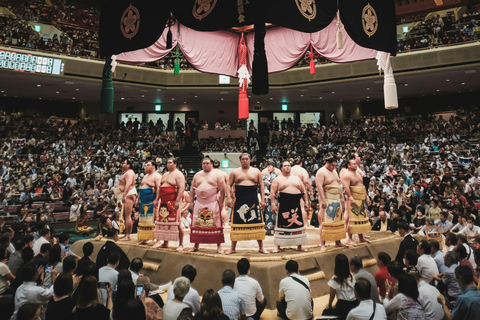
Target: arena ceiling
column 451, row 80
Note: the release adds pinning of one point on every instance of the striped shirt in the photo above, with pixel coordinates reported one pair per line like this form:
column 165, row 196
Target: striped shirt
column 232, row 303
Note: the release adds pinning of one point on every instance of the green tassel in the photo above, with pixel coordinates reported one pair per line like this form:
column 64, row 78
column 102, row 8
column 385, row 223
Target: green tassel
column 106, row 95
column 176, row 62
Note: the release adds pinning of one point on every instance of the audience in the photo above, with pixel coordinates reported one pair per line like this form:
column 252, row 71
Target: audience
column 173, row 308
column 367, row 309
column 341, row 286
column 249, row 290
column 61, row 305
column 426, row 265
column 88, row 306
column 192, row 298
column 356, row 267
column 152, row 309
column 405, row 303
column 211, row 307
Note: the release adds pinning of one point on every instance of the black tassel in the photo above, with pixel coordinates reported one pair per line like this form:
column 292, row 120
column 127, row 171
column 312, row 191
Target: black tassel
column 106, row 94
column 169, row 39
column 259, row 65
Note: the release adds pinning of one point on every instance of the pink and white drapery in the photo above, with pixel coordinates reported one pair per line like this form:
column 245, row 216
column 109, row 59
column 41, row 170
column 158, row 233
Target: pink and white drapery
column 216, row 52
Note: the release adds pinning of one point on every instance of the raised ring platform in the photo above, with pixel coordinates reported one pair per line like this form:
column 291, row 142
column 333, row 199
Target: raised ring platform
column 164, row 265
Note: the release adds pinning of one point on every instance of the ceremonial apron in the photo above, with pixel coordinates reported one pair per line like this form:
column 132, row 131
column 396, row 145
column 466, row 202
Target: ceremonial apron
column 246, row 220
column 118, row 194
column 333, row 223
column 146, row 223
column 359, row 222
column 206, row 220
column 290, row 230
column 268, row 215
column 166, row 226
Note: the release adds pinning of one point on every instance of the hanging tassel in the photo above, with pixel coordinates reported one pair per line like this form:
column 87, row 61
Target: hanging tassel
column 339, row 32
column 176, row 63
column 243, row 80
column 312, row 55
column 259, row 65
column 169, row 39
column 389, row 86
column 106, row 94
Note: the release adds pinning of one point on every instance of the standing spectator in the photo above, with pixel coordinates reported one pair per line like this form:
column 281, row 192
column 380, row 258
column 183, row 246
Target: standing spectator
column 405, row 303
column 341, row 285
column 408, row 242
column 87, row 307
column 6, row 276
column 367, row 309
column 109, row 274
column 85, row 262
column 173, row 308
column 45, row 235
column 232, row 303
column 294, row 292
column 61, row 304
column 41, row 259
column 383, row 259
column 54, row 265
column 356, row 267
column 425, row 264
column 75, row 209
column 249, row 290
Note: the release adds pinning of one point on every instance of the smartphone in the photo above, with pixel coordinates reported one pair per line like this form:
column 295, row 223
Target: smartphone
column 102, row 285
column 48, row 269
column 66, row 250
column 139, row 290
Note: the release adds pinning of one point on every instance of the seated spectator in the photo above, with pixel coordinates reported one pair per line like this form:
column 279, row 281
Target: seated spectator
column 428, row 223
column 109, row 274
column 45, row 236
column 29, row 292
column 84, row 263
column 232, row 303
column 443, row 223
column 408, row 242
column 29, row 311
column 250, row 290
column 410, row 260
column 467, row 306
column 471, row 231
column 383, row 224
column 383, row 260
column 125, row 292
column 211, row 307
column 153, row 309
column 134, row 309
column 462, row 239
column 6, row 276
column 61, row 304
column 88, row 307
column 437, row 255
column 448, row 284
column 427, row 296
column 192, row 299
column 15, row 261
column 462, row 223
column 295, row 299
column 173, row 308
column 405, row 303
column 356, row 267
column 341, row 285
column 135, row 266
column 426, row 264
column 463, row 256
column 81, row 226
column 367, row 309
column 104, row 224
column 70, row 265
column 54, row 264
column 451, row 241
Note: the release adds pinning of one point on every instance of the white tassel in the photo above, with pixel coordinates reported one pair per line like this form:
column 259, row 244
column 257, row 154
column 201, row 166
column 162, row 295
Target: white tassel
column 339, row 32
column 242, row 75
column 389, row 86
column 114, row 63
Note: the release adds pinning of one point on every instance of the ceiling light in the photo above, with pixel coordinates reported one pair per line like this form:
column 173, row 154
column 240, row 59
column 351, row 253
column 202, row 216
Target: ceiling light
column 438, row 90
column 221, row 99
column 77, row 89
column 368, row 97
column 184, row 101
column 73, row 98
column 173, row 98
column 196, row 96
column 463, row 83
column 258, row 102
column 58, row 92
column 301, row 95
column 39, row 85
column 406, row 84
column 320, row 97
column 123, row 98
column 333, row 91
column 143, row 96
column 368, row 88
column 447, row 80
column 39, row 98
column 271, row 98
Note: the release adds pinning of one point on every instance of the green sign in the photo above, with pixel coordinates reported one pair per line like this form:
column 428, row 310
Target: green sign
column 38, row 28
column 225, row 163
column 405, row 29
column 158, row 107
column 284, row 107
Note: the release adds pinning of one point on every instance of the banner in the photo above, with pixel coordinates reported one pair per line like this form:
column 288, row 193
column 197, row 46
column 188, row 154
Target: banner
column 370, row 23
column 127, row 25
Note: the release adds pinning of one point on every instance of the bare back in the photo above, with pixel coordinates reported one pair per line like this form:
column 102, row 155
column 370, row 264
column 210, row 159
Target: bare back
column 300, row 172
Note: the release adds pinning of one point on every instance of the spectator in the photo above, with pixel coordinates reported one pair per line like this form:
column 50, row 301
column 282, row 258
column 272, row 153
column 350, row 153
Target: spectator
column 173, row 308
column 467, row 306
column 54, row 266
column 85, row 262
column 249, row 290
column 135, row 266
column 232, row 303
column 41, row 259
column 111, row 246
column 445, row 225
column 109, row 274
column 437, row 255
column 45, row 235
column 61, row 304
column 125, row 292
column 152, row 308
column 211, row 307
column 29, row 292
column 471, row 231
column 87, row 307
column 405, row 303
column 29, row 311
column 356, row 267
column 463, row 256
column 383, row 260
column 462, row 239
column 6, row 276
column 367, row 309
column 408, row 242
column 427, row 296
column 341, row 285
column 451, row 241
column 192, row 299
column 15, row 261
column 426, row 264
column 383, row 224
column 450, row 286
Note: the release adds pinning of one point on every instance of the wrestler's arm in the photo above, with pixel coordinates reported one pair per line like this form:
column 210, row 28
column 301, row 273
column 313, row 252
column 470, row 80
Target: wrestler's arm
column 273, row 193
column 319, row 184
column 180, row 182
column 221, row 186
column 192, row 191
column 307, row 183
column 158, row 182
column 346, row 189
column 231, row 179
column 262, row 188
column 186, row 198
column 305, row 196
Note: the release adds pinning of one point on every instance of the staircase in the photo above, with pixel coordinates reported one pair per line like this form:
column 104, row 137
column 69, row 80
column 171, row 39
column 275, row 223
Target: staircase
column 190, row 159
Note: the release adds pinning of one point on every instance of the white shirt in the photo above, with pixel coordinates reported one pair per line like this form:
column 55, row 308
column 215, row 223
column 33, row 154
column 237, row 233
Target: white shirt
column 297, row 297
column 428, row 299
column 470, row 232
column 192, row 299
column 365, row 310
column 427, row 267
column 249, row 289
column 344, row 291
column 38, row 244
column 108, row 274
column 74, row 211
column 31, row 293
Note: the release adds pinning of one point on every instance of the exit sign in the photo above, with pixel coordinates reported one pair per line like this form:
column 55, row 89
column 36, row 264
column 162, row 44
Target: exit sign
column 37, row 28
column 405, row 29
column 284, row 107
column 225, row 163
column 158, row 107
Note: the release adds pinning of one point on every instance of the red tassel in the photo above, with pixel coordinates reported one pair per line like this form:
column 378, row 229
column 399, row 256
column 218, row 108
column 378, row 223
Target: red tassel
column 312, row 66
column 311, row 55
column 243, row 105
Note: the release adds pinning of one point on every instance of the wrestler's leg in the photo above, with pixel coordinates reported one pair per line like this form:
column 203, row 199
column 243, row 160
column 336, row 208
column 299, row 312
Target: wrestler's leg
column 219, row 248
column 323, row 248
column 232, row 248
column 261, row 249
column 351, row 242
column 300, row 248
column 277, row 249
column 304, row 213
column 180, row 237
column 127, row 215
column 361, row 238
